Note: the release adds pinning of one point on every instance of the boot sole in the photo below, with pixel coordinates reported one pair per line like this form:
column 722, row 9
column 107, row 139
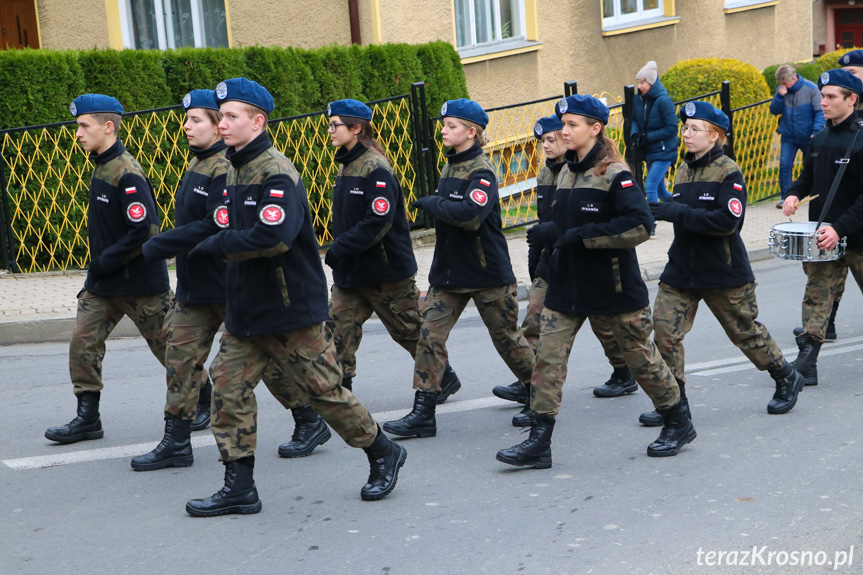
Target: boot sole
column 403, row 456
column 185, row 461
column 510, row 397
column 249, row 509
column 76, row 438
column 688, row 439
column 421, row 432
column 627, row 390
column 541, row 463
column 443, row 397
column 324, row 437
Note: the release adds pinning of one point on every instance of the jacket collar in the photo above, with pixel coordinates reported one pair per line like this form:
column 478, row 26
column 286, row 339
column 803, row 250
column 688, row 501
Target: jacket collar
column 204, row 153
column 554, row 166
column 115, row 151
column 346, row 156
column 454, row 157
column 251, row 151
column 712, row 154
column 576, row 165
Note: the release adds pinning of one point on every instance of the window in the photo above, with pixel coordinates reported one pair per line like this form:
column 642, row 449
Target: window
column 482, row 22
column 622, row 12
column 165, row 24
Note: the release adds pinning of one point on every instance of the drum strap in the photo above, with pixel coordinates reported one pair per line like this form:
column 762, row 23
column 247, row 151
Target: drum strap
column 843, row 164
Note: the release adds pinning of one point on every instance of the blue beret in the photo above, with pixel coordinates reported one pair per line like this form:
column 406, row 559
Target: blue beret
column 852, row 58
column 200, row 99
column 244, row 90
column 95, row 104
column 466, row 110
column 582, row 106
column 703, row 111
column 350, row 108
column 841, row 78
column 546, row 125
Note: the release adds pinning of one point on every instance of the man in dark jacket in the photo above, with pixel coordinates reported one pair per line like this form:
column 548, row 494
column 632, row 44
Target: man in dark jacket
column 798, row 102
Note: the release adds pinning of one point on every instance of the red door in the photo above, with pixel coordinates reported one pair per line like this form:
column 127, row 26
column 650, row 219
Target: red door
column 18, row 27
column 849, row 27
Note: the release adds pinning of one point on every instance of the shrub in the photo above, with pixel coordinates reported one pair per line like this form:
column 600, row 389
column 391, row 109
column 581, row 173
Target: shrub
column 689, row 78
column 830, row 60
column 135, row 77
column 38, row 85
column 442, row 73
column 200, row 69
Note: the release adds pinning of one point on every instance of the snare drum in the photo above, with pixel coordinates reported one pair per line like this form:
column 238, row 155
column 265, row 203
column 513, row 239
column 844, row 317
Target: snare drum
column 797, row 241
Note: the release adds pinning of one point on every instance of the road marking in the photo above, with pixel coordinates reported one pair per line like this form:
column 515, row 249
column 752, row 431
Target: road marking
column 706, row 368
column 204, row 440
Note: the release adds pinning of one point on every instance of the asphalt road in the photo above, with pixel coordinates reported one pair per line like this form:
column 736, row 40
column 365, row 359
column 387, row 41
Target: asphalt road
column 789, row 485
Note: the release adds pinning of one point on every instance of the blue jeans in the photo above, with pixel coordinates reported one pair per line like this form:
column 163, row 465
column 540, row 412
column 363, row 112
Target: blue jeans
column 654, row 183
column 786, row 163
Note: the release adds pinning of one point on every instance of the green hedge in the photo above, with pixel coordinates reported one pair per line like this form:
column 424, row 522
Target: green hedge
column 40, row 84
column 830, row 60
column 690, row 78
column 807, row 70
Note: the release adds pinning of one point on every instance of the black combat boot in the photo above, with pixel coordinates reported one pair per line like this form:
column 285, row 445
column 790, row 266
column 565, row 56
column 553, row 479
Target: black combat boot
column 310, row 430
column 535, row 451
column 239, row 495
column 830, row 335
column 515, row 391
column 654, row 418
column 788, row 384
column 449, row 384
column 385, row 459
column 348, row 382
column 620, row 383
column 87, row 425
column 202, row 414
column 175, row 449
column 676, row 433
column 807, row 359
column 523, row 418
column 420, row 422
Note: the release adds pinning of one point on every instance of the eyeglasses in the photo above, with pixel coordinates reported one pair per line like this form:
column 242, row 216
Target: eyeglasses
column 332, row 126
column 693, row 130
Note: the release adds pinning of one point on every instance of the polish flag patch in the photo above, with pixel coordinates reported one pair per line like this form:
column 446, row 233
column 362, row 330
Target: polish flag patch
column 136, row 212
column 220, row 216
column 626, row 184
column 381, row 206
column 738, row 187
column 131, row 190
column 485, row 183
column 479, row 197
column 225, row 192
column 735, row 206
column 277, row 193
column 381, row 184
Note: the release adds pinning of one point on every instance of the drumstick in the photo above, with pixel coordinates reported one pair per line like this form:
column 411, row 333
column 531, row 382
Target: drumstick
column 805, row 201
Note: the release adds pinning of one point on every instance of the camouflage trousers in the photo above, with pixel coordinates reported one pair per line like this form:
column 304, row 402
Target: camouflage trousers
column 632, row 335
column 825, row 282
column 189, row 333
column 395, row 303
column 734, row 308
column 531, row 323
column 309, row 367
column 96, row 318
column 498, row 308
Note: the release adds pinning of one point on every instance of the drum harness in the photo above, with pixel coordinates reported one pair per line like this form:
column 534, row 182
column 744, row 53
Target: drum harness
column 843, row 164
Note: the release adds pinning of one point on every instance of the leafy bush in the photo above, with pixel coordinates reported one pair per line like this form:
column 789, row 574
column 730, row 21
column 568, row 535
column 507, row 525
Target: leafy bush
column 830, row 60
column 689, row 78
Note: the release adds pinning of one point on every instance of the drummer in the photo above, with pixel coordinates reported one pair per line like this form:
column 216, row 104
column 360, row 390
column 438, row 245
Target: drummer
column 708, row 260
column 840, row 91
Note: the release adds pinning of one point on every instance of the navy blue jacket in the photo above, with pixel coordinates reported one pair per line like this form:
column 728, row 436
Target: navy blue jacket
column 121, row 216
column 599, row 219
column 372, row 242
column 546, row 184
column 470, row 248
column 710, row 204
column 275, row 279
column 660, row 128
column 200, row 278
column 801, row 112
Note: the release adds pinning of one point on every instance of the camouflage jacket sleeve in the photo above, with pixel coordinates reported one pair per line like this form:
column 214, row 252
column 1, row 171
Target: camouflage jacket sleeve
column 280, row 216
column 631, row 221
column 183, row 238
column 481, row 198
column 727, row 214
column 138, row 229
column 381, row 191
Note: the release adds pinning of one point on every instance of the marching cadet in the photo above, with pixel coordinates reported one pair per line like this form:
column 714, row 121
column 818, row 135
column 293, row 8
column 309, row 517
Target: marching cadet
column 373, row 262
column 599, row 216
column 708, row 260
column 276, row 308
column 199, row 306
column 840, row 91
column 122, row 214
column 547, row 131
column 471, row 262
